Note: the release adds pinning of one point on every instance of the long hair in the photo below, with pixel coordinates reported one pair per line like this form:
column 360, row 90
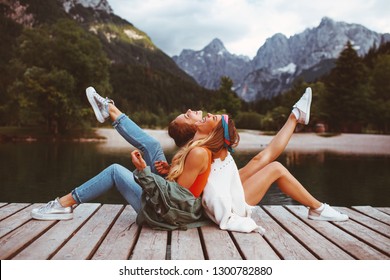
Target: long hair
column 214, row 142
column 181, row 133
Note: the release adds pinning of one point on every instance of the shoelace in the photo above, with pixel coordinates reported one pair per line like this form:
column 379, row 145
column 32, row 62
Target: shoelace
column 48, row 205
column 100, row 98
column 103, row 100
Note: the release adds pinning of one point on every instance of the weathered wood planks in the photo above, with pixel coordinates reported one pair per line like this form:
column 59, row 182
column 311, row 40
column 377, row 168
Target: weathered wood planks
column 109, row 232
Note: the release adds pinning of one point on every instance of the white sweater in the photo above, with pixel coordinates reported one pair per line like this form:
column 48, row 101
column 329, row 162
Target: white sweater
column 223, row 198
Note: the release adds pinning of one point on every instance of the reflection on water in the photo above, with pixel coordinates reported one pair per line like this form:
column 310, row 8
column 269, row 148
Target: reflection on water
column 38, row 172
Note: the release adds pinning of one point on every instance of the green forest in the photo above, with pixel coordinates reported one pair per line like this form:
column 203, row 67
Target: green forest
column 44, row 70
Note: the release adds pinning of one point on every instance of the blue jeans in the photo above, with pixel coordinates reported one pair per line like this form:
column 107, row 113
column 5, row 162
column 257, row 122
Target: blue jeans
column 118, row 176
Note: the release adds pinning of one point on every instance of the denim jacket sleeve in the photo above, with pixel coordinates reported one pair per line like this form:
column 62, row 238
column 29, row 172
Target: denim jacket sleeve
column 148, row 180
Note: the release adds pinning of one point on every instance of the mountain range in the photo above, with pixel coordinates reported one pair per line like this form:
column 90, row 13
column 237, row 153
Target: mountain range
column 277, row 64
column 280, row 61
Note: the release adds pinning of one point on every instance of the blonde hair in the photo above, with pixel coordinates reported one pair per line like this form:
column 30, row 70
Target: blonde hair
column 214, row 142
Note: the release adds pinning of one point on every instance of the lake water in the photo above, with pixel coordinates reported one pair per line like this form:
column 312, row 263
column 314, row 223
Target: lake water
column 39, row 172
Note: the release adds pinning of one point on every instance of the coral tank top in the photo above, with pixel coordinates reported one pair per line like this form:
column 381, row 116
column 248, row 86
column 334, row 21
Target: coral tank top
column 200, row 182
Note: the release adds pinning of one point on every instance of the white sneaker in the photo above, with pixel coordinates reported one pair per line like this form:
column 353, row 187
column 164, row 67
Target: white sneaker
column 53, row 210
column 99, row 104
column 303, row 106
column 327, row 214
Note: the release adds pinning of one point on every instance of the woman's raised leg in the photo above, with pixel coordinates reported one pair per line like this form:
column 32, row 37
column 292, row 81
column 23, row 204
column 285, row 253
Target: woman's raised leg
column 105, row 108
column 271, row 152
column 136, row 136
column 300, row 114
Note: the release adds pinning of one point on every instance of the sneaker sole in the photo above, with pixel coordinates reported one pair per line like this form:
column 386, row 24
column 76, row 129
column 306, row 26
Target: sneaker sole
column 307, row 119
column 89, row 92
column 326, row 220
column 49, row 217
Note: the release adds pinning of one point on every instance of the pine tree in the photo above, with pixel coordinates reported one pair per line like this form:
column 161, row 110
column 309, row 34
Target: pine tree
column 381, row 86
column 347, row 93
column 225, row 99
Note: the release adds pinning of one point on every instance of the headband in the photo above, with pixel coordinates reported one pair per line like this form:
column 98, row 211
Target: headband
column 226, row 136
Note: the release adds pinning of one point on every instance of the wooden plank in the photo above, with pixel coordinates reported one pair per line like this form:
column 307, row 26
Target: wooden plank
column 344, row 240
column 151, row 245
column 218, row 244
column 12, row 222
column 384, row 209
column 282, row 242
column 321, row 247
column 108, row 235
column 47, row 244
column 186, row 245
column 10, row 209
column 372, row 238
column 16, row 240
column 121, row 239
column 374, row 213
column 3, row 204
column 374, row 224
column 83, row 244
column 254, row 247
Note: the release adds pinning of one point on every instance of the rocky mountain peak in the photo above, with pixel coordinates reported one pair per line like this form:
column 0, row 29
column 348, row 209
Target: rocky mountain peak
column 279, row 60
column 18, row 12
column 215, row 46
column 101, row 5
column 277, row 38
column 274, row 53
column 208, row 65
column 326, row 21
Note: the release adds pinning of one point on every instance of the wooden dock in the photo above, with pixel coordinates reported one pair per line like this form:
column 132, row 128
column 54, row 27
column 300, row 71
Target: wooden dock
column 109, row 232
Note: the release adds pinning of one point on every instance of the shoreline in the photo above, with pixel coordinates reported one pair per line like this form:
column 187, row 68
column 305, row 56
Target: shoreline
column 252, row 141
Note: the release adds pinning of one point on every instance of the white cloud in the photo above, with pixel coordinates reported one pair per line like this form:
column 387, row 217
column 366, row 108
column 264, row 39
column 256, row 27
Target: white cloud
column 243, row 25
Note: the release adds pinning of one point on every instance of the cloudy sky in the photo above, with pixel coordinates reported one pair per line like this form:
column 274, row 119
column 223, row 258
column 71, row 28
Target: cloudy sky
column 242, row 25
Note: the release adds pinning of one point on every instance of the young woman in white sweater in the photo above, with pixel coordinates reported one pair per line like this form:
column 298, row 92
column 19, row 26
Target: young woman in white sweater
column 229, row 191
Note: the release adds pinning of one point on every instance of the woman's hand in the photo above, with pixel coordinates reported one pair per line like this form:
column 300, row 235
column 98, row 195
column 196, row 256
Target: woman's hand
column 137, row 160
column 162, row 167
